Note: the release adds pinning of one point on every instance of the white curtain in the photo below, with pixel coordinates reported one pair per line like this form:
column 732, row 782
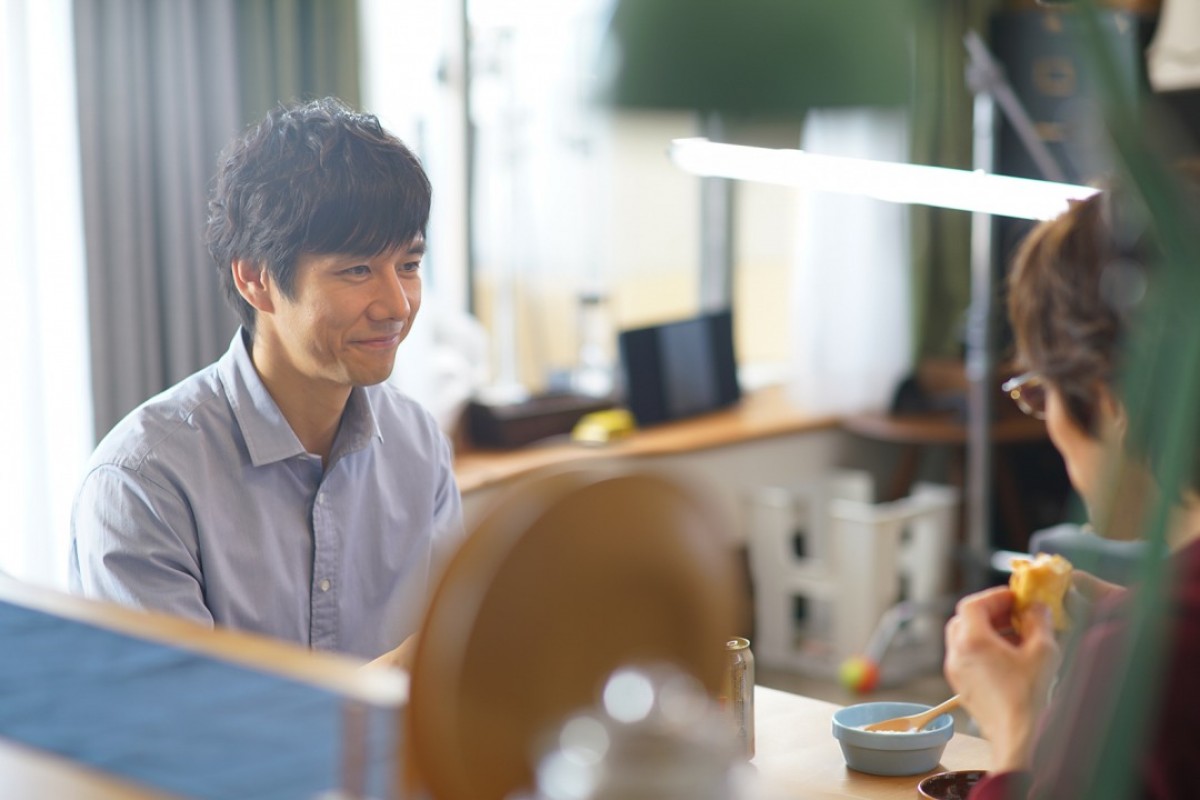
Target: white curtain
column 45, row 409
column 1173, row 58
column 443, row 361
column 851, row 302
column 532, row 160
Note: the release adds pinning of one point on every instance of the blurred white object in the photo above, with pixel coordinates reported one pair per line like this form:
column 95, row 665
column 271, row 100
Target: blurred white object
column 654, row 735
column 593, row 375
column 443, row 362
column 888, row 178
column 855, row 560
column 1173, row 57
column 850, row 283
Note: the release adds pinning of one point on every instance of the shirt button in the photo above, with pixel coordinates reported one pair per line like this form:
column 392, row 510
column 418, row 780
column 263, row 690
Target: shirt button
column 324, row 584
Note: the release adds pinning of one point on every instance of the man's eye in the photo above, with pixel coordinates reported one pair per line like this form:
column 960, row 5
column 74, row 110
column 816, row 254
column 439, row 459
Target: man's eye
column 411, row 266
column 357, row 269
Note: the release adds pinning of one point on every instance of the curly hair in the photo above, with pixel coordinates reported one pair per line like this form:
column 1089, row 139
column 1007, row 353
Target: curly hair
column 1064, row 327
column 315, row 177
column 1075, row 296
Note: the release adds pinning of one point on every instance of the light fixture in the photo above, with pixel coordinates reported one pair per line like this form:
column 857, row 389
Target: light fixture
column 942, row 187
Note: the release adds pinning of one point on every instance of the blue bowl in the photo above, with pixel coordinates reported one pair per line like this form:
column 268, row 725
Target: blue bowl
column 890, row 753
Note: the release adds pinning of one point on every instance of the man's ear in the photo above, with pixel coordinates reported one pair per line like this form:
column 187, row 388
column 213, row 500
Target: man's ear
column 253, row 281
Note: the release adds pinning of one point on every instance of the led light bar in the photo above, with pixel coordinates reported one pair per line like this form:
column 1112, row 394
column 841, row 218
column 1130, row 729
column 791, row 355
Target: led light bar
column 942, row 187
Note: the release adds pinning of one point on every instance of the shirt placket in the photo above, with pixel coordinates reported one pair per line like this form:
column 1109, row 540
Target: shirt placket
column 327, row 556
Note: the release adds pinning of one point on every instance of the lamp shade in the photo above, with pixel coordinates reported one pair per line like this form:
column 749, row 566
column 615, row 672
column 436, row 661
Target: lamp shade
column 759, row 57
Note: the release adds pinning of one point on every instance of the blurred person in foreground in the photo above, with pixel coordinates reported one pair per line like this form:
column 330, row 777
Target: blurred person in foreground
column 288, row 489
column 1072, row 293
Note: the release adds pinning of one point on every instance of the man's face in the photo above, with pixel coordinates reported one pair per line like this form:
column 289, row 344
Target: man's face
column 347, row 315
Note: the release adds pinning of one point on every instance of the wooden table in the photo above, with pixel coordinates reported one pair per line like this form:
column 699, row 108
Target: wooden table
column 29, row 773
column 797, row 757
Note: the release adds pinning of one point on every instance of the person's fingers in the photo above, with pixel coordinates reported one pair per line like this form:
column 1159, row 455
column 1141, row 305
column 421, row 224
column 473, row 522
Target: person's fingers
column 1077, row 605
column 1036, row 622
column 993, row 605
column 1037, row 632
column 985, row 601
column 983, row 619
column 1039, row 650
column 401, row 656
column 968, row 636
column 953, row 632
column 1085, row 583
column 981, row 599
column 972, row 648
column 1091, row 587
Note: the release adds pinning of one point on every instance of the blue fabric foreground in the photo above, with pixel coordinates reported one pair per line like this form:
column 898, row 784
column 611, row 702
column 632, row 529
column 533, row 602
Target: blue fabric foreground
column 175, row 720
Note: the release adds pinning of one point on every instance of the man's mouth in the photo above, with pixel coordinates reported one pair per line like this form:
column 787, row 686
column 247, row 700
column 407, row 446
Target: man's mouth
column 381, row 342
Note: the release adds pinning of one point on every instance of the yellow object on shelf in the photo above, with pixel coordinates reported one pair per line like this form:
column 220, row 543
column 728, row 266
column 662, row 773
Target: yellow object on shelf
column 601, row 427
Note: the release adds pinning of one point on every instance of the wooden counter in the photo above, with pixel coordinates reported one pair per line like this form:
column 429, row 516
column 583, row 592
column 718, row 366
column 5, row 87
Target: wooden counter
column 758, row 415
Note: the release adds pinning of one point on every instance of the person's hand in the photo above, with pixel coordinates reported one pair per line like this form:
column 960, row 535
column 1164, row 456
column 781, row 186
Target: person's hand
column 1002, row 681
column 1093, row 589
column 401, row 657
column 1087, row 590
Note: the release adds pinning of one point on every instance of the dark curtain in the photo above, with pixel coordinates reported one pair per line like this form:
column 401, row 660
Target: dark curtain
column 296, row 50
column 163, row 86
column 942, row 136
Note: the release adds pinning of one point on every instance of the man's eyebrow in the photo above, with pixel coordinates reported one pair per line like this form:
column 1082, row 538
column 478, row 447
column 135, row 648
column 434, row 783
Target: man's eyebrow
column 417, row 248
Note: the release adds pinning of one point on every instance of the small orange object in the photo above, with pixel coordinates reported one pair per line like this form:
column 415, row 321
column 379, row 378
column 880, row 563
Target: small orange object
column 859, row 674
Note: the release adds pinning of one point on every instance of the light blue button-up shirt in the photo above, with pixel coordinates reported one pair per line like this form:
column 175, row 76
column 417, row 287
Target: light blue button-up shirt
column 202, row 503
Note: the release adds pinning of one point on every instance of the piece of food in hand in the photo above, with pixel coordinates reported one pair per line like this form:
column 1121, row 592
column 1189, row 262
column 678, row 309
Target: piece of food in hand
column 1043, row 579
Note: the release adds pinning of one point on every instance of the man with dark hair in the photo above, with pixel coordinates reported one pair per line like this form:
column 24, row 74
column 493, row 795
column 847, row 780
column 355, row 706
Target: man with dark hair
column 287, row 489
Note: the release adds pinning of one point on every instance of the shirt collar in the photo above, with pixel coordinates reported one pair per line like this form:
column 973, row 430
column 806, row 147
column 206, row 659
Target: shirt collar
column 359, row 425
column 268, row 436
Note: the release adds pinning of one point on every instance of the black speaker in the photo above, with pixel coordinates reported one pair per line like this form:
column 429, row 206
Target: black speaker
column 679, row 369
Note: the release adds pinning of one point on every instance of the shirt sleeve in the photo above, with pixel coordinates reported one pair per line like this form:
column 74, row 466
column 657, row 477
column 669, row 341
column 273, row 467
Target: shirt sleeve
column 448, row 530
column 1002, row 786
column 133, row 542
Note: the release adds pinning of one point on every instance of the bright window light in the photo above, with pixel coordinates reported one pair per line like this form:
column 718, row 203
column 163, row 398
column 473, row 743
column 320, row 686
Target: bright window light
column 1002, row 195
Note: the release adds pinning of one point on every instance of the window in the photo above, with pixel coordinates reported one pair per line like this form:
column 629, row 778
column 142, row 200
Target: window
column 45, row 415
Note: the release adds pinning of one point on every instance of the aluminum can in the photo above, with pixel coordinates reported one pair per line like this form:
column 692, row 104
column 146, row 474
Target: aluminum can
column 737, row 694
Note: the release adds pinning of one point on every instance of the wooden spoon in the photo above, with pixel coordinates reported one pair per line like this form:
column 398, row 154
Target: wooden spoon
column 913, row 722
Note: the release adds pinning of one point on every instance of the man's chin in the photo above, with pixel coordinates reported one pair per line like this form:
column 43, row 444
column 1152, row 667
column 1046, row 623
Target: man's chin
column 373, row 376
column 373, row 380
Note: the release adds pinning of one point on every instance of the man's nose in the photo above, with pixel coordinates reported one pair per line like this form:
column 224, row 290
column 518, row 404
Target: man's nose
column 391, row 300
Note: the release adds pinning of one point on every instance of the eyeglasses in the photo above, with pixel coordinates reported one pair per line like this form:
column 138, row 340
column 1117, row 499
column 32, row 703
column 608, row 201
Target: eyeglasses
column 1029, row 393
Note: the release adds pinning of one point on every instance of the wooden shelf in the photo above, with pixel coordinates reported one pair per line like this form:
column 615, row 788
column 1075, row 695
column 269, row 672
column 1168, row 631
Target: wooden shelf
column 758, row 415
column 941, row 428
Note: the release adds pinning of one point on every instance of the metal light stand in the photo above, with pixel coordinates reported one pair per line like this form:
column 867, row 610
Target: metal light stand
column 716, row 229
column 986, row 79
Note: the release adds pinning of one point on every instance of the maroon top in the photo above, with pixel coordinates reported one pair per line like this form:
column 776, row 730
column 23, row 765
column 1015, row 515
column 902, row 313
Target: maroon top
column 1072, row 731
